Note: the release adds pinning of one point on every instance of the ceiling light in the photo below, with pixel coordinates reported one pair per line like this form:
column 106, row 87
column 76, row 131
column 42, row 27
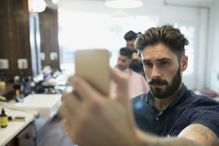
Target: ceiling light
column 37, row 5
column 123, row 4
column 55, row 1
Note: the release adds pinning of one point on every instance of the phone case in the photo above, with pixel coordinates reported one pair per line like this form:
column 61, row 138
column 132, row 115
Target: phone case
column 93, row 66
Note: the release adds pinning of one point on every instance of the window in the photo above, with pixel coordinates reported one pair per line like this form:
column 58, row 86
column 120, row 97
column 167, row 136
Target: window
column 189, row 32
column 79, row 30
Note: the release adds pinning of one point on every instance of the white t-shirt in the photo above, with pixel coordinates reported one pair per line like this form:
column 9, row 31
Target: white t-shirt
column 137, row 83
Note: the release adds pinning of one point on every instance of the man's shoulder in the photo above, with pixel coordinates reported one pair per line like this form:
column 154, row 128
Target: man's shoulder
column 200, row 99
column 135, row 73
column 204, row 110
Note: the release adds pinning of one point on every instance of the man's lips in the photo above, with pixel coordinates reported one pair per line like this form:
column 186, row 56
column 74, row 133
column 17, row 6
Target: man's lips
column 157, row 82
column 157, row 85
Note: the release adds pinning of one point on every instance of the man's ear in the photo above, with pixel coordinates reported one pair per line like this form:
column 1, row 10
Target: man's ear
column 184, row 63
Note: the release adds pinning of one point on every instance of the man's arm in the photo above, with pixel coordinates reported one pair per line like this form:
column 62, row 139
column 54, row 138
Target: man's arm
column 193, row 135
column 200, row 134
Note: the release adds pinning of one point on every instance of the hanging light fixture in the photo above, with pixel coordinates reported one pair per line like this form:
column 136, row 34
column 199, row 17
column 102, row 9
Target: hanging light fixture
column 55, row 2
column 37, row 6
column 123, row 4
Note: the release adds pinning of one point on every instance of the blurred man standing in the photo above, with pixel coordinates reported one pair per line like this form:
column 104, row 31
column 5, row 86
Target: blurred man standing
column 130, row 38
column 137, row 82
column 136, row 64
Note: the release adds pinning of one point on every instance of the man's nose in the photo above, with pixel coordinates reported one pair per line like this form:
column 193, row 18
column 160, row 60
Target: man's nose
column 155, row 72
column 119, row 62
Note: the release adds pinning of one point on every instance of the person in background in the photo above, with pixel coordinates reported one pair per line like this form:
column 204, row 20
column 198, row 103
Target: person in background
column 138, row 84
column 130, row 38
column 136, row 64
column 168, row 115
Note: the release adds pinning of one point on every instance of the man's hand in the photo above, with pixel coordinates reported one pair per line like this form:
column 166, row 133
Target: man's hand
column 92, row 119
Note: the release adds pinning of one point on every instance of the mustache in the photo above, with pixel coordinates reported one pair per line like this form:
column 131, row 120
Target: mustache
column 157, row 81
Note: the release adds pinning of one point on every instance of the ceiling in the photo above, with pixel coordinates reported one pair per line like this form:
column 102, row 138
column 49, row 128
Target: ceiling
column 98, row 5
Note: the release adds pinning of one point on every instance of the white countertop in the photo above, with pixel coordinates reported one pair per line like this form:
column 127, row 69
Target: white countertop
column 43, row 105
column 46, row 105
column 14, row 127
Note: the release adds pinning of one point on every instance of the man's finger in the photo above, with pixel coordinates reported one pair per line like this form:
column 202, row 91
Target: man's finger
column 71, row 102
column 121, row 81
column 69, row 129
column 84, row 90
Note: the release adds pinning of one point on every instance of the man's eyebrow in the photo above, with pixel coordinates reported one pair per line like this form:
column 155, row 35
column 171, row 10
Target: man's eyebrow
column 160, row 59
column 146, row 60
column 164, row 59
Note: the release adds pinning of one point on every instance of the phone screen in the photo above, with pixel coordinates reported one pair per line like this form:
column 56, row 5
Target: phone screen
column 93, row 66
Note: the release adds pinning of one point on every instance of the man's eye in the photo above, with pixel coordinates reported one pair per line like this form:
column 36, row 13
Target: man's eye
column 148, row 64
column 164, row 62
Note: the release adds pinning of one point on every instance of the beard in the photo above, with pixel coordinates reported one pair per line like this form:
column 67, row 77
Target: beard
column 169, row 90
column 121, row 67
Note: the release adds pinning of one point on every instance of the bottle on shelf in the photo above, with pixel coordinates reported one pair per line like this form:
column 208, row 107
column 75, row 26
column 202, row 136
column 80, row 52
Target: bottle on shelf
column 3, row 119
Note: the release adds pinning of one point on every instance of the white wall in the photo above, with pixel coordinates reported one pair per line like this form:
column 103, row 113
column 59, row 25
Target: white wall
column 188, row 14
column 213, row 51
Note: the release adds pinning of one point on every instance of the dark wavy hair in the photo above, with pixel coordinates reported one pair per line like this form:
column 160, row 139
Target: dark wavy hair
column 125, row 51
column 168, row 35
column 130, row 35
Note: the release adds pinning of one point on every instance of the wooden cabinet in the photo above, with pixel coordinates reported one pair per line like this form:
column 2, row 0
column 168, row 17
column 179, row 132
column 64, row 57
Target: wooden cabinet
column 14, row 38
column 23, row 35
column 49, row 38
column 27, row 137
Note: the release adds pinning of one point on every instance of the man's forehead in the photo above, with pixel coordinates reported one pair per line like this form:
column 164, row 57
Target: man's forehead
column 123, row 57
column 157, row 52
column 130, row 41
column 156, row 58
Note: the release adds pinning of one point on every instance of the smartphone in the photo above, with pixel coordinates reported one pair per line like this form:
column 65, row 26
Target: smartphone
column 93, row 66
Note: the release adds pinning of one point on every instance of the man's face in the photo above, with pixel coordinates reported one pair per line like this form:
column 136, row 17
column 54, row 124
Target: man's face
column 163, row 70
column 123, row 62
column 131, row 44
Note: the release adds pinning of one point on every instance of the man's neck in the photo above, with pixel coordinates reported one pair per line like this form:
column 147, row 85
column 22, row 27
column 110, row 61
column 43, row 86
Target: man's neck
column 162, row 104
